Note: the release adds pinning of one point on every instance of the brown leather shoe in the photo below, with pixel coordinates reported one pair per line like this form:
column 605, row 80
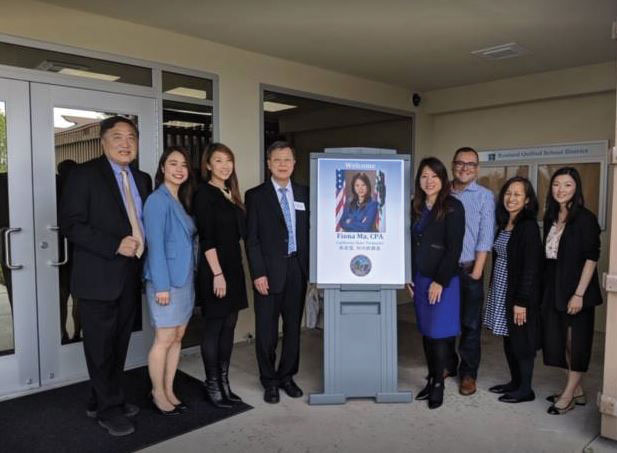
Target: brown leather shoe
column 467, row 386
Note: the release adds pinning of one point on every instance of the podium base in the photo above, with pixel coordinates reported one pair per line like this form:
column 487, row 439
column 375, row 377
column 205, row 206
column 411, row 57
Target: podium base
column 322, row 399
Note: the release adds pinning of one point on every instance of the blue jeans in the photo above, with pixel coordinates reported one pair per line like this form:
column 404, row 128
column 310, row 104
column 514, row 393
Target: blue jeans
column 472, row 300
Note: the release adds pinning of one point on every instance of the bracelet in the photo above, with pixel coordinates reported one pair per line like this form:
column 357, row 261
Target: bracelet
column 578, row 295
column 216, row 275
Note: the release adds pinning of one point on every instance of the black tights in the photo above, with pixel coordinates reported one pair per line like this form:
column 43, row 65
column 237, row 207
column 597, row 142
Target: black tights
column 438, row 353
column 218, row 341
column 521, row 370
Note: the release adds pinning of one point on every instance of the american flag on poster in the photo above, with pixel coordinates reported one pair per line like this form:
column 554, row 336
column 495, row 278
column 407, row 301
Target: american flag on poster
column 340, row 196
column 380, row 189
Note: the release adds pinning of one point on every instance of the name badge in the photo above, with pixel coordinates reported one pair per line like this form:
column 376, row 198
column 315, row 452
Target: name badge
column 299, row 206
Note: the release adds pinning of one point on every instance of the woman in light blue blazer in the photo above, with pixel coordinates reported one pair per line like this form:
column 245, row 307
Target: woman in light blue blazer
column 168, row 272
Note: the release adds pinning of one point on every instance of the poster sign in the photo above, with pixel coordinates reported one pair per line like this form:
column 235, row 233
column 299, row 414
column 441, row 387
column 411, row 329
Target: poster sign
column 360, row 236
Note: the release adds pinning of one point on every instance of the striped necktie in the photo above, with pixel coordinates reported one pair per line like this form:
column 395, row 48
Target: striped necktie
column 291, row 243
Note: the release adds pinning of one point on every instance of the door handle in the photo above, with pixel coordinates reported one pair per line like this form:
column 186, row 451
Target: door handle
column 66, row 248
column 7, row 249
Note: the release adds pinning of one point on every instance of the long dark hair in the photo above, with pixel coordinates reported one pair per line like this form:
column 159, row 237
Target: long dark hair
column 530, row 209
column 232, row 182
column 185, row 192
column 551, row 212
column 355, row 201
column 440, row 207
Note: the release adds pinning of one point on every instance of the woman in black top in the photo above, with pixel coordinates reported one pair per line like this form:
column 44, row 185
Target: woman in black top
column 572, row 288
column 513, row 305
column 221, row 289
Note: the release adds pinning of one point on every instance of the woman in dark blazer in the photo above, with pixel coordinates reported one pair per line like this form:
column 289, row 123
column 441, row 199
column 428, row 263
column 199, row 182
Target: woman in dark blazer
column 513, row 303
column 571, row 285
column 438, row 227
column 360, row 213
column 221, row 289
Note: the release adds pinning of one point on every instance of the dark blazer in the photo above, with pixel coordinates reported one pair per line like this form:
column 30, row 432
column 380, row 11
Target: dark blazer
column 580, row 241
column 94, row 219
column 221, row 225
column 436, row 251
column 267, row 233
column 524, row 266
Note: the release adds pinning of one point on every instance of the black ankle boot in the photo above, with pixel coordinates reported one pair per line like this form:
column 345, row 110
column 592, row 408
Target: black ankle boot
column 212, row 390
column 225, row 389
column 435, row 397
column 424, row 393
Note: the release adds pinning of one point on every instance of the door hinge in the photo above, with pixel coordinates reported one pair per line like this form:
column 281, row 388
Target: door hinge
column 609, row 281
column 607, row 404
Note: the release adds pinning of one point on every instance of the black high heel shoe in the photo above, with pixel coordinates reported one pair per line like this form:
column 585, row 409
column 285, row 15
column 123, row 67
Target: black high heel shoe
column 160, row 411
column 424, row 393
column 182, row 407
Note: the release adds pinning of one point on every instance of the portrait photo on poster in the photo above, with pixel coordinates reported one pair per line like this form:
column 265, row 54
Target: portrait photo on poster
column 360, row 201
column 360, row 231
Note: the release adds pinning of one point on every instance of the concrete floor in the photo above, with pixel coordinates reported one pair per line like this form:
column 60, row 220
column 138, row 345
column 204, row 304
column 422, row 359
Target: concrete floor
column 478, row 423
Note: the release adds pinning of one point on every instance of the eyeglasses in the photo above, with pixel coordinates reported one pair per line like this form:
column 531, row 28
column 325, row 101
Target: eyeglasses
column 458, row 164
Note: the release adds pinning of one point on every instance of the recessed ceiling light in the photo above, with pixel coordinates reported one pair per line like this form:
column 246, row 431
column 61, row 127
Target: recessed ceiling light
column 185, row 124
column 270, row 106
column 192, row 112
column 188, row 92
column 60, row 114
column 89, row 74
column 501, row 52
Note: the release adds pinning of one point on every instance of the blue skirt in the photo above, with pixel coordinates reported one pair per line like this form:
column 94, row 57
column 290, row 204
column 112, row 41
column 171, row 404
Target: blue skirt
column 180, row 307
column 442, row 319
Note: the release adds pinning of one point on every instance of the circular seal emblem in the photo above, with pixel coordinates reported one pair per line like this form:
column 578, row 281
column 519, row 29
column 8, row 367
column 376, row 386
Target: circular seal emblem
column 360, row 265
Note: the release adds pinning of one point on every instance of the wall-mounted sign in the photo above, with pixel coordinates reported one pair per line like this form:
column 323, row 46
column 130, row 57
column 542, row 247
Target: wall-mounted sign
column 544, row 152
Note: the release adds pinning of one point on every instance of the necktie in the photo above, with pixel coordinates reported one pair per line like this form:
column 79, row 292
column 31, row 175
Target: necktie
column 132, row 213
column 291, row 239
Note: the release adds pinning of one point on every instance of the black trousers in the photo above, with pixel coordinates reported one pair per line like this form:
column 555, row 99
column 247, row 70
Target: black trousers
column 289, row 305
column 472, row 300
column 521, row 369
column 107, row 326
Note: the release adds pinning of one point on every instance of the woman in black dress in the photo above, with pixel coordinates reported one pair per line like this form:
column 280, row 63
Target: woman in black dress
column 513, row 304
column 221, row 289
column 572, row 288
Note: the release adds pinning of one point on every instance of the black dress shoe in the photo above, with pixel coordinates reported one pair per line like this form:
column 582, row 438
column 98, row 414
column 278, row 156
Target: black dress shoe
column 511, row 398
column 423, row 394
column 117, row 426
column 128, row 410
column 291, row 388
column 271, row 395
column 503, row 388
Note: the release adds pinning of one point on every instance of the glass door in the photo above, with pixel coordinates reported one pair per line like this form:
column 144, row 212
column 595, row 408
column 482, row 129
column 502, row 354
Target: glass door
column 65, row 132
column 19, row 360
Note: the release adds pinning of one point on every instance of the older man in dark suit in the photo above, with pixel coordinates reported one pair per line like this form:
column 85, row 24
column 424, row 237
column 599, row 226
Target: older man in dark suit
column 278, row 248
column 100, row 214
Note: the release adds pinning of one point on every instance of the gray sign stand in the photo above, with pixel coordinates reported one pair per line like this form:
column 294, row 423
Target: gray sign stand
column 360, row 332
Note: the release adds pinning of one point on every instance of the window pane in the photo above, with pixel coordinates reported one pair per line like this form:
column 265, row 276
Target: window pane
column 495, row 177
column 189, row 126
column 7, row 344
column 590, row 179
column 64, row 63
column 188, row 86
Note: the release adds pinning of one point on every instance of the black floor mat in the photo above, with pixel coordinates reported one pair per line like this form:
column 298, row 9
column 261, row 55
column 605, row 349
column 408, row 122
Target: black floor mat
column 55, row 420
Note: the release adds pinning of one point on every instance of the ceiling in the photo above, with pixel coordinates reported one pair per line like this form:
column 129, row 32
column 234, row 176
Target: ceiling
column 420, row 44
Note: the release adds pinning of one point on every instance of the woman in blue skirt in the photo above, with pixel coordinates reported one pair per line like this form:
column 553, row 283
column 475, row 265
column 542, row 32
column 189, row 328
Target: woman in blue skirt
column 438, row 227
column 168, row 272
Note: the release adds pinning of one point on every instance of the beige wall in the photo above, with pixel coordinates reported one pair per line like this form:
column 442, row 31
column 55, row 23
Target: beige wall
column 573, row 105
column 240, row 73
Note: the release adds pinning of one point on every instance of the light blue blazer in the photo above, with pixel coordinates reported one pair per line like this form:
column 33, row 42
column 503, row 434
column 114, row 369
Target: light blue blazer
column 169, row 235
